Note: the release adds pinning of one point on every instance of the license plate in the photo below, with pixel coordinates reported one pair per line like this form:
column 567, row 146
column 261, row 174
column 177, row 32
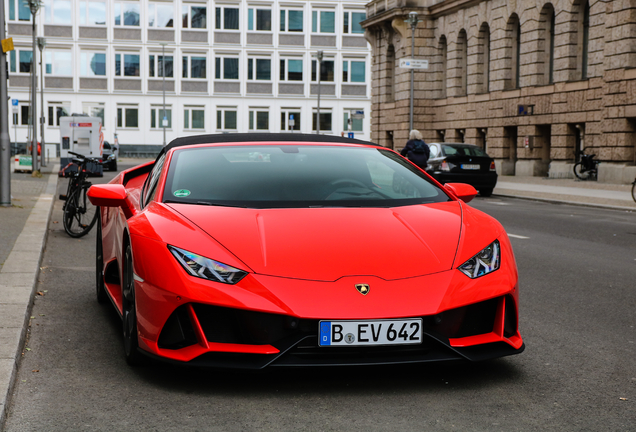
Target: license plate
column 377, row 332
column 470, row 166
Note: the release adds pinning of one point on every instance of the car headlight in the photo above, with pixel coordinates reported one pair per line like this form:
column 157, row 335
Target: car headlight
column 205, row 268
column 484, row 262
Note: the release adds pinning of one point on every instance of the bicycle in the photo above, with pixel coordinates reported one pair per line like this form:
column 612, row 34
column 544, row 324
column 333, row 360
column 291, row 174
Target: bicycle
column 587, row 167
column 79, row 214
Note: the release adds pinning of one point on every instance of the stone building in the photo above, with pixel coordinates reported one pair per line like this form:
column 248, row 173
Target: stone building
column 533, row 82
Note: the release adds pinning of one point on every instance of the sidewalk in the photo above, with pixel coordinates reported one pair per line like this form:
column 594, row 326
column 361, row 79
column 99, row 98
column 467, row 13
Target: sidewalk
column 567, row 191
column 23, row 228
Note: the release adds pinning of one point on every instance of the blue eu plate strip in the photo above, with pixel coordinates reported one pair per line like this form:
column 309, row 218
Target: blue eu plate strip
column 325, row 333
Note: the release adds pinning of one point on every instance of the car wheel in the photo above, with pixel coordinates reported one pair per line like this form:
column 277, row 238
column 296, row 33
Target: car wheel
column 485, row 192
column 100, row 289
column 129, row 313
column 113, row 166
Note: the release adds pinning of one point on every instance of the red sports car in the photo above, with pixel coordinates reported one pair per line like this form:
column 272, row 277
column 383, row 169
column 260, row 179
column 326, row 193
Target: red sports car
column 255, row 250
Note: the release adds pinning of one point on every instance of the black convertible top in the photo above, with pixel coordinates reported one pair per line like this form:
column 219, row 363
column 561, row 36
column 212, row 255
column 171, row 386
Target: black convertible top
column 259, row 137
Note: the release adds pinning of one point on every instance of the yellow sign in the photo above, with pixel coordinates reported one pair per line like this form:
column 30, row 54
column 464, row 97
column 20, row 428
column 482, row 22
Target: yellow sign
column 7, row 45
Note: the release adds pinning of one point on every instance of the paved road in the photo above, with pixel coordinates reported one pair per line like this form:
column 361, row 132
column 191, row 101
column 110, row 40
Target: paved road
column 578, row 318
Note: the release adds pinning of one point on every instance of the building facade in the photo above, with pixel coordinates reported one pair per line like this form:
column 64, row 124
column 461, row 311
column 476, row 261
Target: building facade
column 533, row 82
column 230, row 66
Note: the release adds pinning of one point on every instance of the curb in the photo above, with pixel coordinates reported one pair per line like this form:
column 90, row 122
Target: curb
column 558, row 201
column 17, row 288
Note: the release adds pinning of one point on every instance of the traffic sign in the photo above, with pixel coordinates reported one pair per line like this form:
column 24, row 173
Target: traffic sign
column 357, row 114
column 413, row 64
column 14, row 102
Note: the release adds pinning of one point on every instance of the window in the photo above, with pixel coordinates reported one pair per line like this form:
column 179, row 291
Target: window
column 57, row 12
column 353, row 71
column 20, row 60
column 23, row 116
column 483, row 46
column 356, row 124
column 194, row 16
column 57, row 110
column 291, row 69
column 351, row 22
column 289, row 116
column 160, row 15
column 92, row 64
column 326, row 71
column 227, row 18
column 325, row 121
column 584, row 39
column 157, row 117
column 150, row 185
column 127, row 117
column 259, row 119
column 130, row 68
column 126, row 14
column 194, row 66
column 263, row 18
column 156, row 65
column 259, row 69
column 323, row 22
column 194, row 118
column 462, row 44
column 291, row 20
column 226, row 119
column 92, row 13
column 58, row 63
column 94, row 109
column 227, row 68
column 19, row 10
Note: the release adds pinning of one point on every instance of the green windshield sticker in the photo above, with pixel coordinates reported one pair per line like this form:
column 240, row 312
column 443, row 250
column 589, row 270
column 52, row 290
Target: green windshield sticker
column 181, row 193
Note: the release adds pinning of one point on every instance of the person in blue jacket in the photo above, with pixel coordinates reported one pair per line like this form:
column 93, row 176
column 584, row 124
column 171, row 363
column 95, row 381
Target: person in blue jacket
column 416, row 150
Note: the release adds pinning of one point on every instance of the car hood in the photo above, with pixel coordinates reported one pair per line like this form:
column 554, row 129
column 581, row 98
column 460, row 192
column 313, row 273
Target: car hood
column 330, row 243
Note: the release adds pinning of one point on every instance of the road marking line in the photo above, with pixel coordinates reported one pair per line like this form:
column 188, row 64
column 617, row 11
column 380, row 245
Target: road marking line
column 517, row 236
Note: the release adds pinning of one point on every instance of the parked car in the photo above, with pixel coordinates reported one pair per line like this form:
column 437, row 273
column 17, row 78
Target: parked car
column 265, row 250
column 462, row 163
column 106, row 152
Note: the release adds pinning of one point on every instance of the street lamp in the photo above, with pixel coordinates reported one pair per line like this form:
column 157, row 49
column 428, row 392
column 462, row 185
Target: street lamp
column 164, row 120
column 34, row 5
column 412, row 21
column 41, row 44
column 319, row 56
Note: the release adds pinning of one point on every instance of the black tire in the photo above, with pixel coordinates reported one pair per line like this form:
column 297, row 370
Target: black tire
column 129, row 313
column 79, row 214
column 578, row 173
column 100, row 288
column 485, row 192
column 113, row 166
column 634, row 190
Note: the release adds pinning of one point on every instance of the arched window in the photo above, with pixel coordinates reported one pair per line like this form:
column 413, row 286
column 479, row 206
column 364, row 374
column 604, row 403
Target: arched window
column 517, row 83
column 390, row 74
column 584, row 38
column 547, row 39
column 484, row 58
column 442, row 50
column 462, row 62
column 513, row 52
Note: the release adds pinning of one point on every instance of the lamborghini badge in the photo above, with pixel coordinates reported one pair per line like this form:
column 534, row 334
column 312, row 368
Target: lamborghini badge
column 363, row 288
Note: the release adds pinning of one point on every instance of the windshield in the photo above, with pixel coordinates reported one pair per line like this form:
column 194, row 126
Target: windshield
column 462, row 150
column 273, row 176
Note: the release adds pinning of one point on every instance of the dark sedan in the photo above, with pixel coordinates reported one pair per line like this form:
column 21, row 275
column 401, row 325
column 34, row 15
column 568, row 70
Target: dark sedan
column 462, row 163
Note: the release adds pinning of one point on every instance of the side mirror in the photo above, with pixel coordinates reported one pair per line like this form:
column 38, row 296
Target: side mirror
column 463, row 191
column 111, row 195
